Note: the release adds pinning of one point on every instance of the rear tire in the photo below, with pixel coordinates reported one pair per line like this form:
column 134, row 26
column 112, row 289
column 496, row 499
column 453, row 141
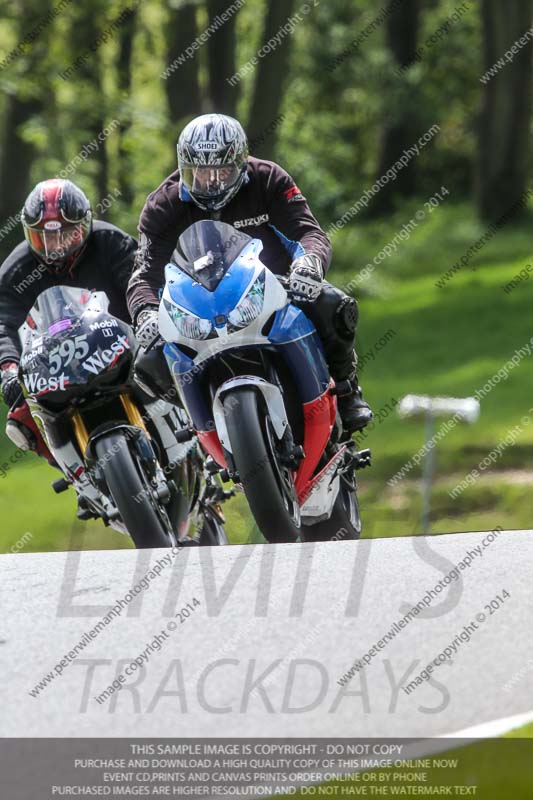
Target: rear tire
column 344, row 523
column 126, row 481
column 268, row 487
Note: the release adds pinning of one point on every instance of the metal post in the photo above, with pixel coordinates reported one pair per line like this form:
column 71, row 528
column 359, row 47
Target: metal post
column 412, row 405
column 428, row 473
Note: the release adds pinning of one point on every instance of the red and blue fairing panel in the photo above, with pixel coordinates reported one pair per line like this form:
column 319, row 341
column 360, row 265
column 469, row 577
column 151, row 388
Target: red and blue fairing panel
column 300, row 345
column 295, row 338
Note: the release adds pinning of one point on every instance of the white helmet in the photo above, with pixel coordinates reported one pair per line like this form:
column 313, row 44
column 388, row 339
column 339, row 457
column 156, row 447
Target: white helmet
column 212, row 155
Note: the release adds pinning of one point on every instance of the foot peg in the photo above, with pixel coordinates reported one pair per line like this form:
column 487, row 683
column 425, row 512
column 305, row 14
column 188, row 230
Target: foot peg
column 363, row 459
column 60, row 486
column 185, row 435
column 359, row 459
column 84, row 513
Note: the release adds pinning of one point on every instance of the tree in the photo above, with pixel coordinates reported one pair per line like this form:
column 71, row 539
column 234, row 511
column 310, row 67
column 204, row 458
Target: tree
column 124, row 81
column 401, row 127
column 221, row 48
column 270, row 77
column 182, row 84
column 26, row 97
column 506, row 109
column 87, row 25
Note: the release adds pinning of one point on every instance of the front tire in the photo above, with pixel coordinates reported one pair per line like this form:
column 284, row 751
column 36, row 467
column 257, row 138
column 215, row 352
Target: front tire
column 129, row 489
column 344, row 523
column 268, row 486
column 212, row 533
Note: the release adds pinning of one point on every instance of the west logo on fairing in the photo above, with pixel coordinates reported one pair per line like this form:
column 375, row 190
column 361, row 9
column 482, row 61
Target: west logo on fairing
column 38, row 385
column 98, row 361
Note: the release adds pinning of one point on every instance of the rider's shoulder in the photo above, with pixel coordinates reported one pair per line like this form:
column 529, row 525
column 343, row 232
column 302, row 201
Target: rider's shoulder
column 164, row 207
column 104, row 231
column 262, row 167
column 108, row 241
column 21, row 259
column 168, row 192
column 269, row 172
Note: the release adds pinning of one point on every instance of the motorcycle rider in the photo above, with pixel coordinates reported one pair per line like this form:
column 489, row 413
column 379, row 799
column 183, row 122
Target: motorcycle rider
column 63, row 246
column 218, row 179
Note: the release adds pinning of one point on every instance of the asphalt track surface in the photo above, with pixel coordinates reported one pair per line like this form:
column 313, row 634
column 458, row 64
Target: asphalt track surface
column 298, row 615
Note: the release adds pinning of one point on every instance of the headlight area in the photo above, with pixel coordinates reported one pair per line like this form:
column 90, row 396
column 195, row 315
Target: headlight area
column 249, row 307
column 188, row 325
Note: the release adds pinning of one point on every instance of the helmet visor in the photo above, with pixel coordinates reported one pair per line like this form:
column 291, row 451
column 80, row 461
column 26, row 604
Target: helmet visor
column 56, row 242
column 208, row 182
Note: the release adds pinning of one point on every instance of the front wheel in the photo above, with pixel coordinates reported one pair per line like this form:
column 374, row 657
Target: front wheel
column 267, row 484
column 212, row 533
column 344, row 523
column 129, row 488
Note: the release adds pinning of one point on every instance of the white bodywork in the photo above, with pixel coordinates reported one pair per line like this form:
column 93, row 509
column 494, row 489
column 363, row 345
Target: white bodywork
column 273, row 399
column 275, row 298
column 319, row 503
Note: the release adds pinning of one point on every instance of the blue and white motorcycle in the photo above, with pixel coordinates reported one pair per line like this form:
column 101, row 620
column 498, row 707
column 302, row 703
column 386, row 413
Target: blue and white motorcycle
column 250, row 371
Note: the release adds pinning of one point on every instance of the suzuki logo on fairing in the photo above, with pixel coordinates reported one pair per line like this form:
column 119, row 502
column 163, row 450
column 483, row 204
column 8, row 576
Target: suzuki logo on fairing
column 37, row 385
column 98, row 361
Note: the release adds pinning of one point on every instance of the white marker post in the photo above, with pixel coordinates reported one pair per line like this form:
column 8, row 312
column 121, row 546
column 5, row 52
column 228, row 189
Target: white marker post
column 413, row 405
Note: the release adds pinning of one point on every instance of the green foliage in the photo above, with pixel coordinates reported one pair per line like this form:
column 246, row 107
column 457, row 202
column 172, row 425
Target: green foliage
column 339, row 95
column 329, row 138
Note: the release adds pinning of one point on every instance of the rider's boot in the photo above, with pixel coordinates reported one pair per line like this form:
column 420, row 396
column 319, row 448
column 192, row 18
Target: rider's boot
column 355, row 412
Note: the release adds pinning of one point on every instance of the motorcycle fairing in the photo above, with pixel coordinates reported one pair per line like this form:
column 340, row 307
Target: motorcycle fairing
column 297, row 340
column 59, row 358
column 281, row 325
column 196, row 299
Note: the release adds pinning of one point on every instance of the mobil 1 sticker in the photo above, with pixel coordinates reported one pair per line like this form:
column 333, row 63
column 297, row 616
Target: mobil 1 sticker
column 108, row 328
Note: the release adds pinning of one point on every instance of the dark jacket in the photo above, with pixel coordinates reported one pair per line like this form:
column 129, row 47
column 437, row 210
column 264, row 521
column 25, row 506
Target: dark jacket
column 105, row 265
column 268, row 206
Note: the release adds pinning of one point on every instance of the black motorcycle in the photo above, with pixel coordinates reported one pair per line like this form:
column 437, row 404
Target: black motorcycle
column 109, row 429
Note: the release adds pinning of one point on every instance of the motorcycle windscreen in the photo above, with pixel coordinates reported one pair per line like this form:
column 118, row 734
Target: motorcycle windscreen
column 69, row 339
column 207, row 249
column 59, row 308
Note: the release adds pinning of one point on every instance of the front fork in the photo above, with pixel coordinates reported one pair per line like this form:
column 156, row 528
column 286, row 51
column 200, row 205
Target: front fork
column 133, row 416
column 75, row 469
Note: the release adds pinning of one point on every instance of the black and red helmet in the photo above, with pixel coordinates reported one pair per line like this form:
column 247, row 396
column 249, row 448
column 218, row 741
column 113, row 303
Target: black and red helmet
column 57, row 221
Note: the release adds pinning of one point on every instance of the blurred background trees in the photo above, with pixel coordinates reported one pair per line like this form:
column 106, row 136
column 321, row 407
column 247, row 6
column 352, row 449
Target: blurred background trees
column 337, row 100
column 505, row 121
column 102, row 90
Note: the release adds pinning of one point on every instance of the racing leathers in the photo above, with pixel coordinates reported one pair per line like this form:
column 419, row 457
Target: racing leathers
column 268, row 206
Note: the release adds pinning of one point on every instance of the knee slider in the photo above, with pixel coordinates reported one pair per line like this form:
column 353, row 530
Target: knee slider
column 346, row 316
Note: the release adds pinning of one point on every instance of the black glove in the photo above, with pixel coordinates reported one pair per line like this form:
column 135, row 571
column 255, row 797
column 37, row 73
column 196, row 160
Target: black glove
column 9, row 383
column 147, row 326
column 306, row 277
